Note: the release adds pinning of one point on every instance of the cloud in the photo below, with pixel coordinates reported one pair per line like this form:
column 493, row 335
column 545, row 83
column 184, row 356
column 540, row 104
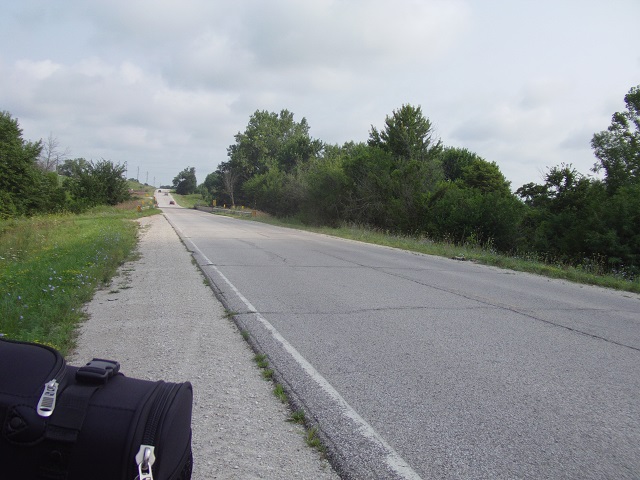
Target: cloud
column 353, row 34
column 543, row 92
column 160, row 82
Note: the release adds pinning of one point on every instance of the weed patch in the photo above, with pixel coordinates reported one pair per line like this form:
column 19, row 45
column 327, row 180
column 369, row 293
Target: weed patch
column 313, row 440
column 297, row 417
column 261, row 360
column 279, row 392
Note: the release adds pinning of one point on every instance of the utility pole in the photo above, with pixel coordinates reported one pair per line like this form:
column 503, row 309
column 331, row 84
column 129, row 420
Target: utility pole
column 138, row 176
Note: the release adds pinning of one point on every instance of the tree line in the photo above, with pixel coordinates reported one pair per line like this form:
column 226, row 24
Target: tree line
column 35, row 178
column 402, row 180
column 405, row 180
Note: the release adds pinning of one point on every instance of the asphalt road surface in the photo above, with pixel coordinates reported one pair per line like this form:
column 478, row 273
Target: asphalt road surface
column 416, row 366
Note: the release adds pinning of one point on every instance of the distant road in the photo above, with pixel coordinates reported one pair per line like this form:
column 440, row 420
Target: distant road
column 424, row 367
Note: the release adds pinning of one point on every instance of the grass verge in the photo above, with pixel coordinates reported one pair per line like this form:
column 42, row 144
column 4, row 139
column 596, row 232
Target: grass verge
column 50, row 266
column 188, row 201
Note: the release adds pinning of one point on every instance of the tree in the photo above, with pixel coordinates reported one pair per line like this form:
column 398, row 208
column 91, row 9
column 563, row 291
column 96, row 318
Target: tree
column 618, row 147
column 564, row 214
column 470, row 170
column 474, row 203
column 276, row 192
column 407, row 135
column 185, row 182
column 271, row 139
column 368, row 171
column 229, row 177
column 72, row 167
column 466, row 214
column 211, row 187
column 325, row 191
column 91, row 184
column 20, row 179
column 110, row 178
column 454, row 160
column 51, row 156
column 416, row 170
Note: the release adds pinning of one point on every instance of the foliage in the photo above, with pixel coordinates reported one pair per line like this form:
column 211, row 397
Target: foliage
column 390, row 182
column 27, row 187
column 405, row 181
column 24, row 188
column 185, row 182
column 74, row 167
column 407, row 135
column 468, row 214
column 415, row 170
column 211, row 189
column 325, row 191
column 95, row 183
column 221, row 185
column 275, row 191
column 469, row 170
column 270, row 140
column 618, row 147
column 585, row 221
column 576, row 219
column 368, row 171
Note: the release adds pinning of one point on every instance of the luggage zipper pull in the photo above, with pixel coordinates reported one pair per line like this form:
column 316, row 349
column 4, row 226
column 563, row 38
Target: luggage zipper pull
column 145, row 459
column 48, row 399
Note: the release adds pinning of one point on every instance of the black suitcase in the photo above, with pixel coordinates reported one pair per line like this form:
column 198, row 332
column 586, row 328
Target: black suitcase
column 90, row 423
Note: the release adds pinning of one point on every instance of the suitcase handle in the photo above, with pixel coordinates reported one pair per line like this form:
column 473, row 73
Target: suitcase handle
column 66, row 422
column 97, row 371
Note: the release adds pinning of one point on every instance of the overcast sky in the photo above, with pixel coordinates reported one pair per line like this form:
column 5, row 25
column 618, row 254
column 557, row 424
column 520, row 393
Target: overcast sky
column 165, row 85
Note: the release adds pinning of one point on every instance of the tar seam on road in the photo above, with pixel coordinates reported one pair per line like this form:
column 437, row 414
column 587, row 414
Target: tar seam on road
column 395, row 462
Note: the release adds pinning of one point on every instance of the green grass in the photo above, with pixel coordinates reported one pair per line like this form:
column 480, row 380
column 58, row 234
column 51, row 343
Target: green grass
column 313, row 440
column 50, row 266
column 591, row 273
column 279, row 392
column 261, row 360
column 188, row 201
column 297, row 417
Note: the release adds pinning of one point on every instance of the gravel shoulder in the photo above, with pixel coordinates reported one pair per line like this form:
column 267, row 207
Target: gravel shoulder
column 161, row 321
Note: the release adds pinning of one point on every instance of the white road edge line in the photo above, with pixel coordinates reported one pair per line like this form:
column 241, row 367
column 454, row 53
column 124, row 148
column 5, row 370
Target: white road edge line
column 393, row 460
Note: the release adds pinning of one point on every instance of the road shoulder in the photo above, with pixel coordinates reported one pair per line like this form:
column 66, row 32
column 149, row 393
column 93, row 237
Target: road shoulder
column 161, row 321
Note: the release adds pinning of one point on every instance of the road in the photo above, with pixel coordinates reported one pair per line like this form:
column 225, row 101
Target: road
column 416, row 366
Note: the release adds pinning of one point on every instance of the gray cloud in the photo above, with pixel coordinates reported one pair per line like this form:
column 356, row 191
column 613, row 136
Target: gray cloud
column 166, row 84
